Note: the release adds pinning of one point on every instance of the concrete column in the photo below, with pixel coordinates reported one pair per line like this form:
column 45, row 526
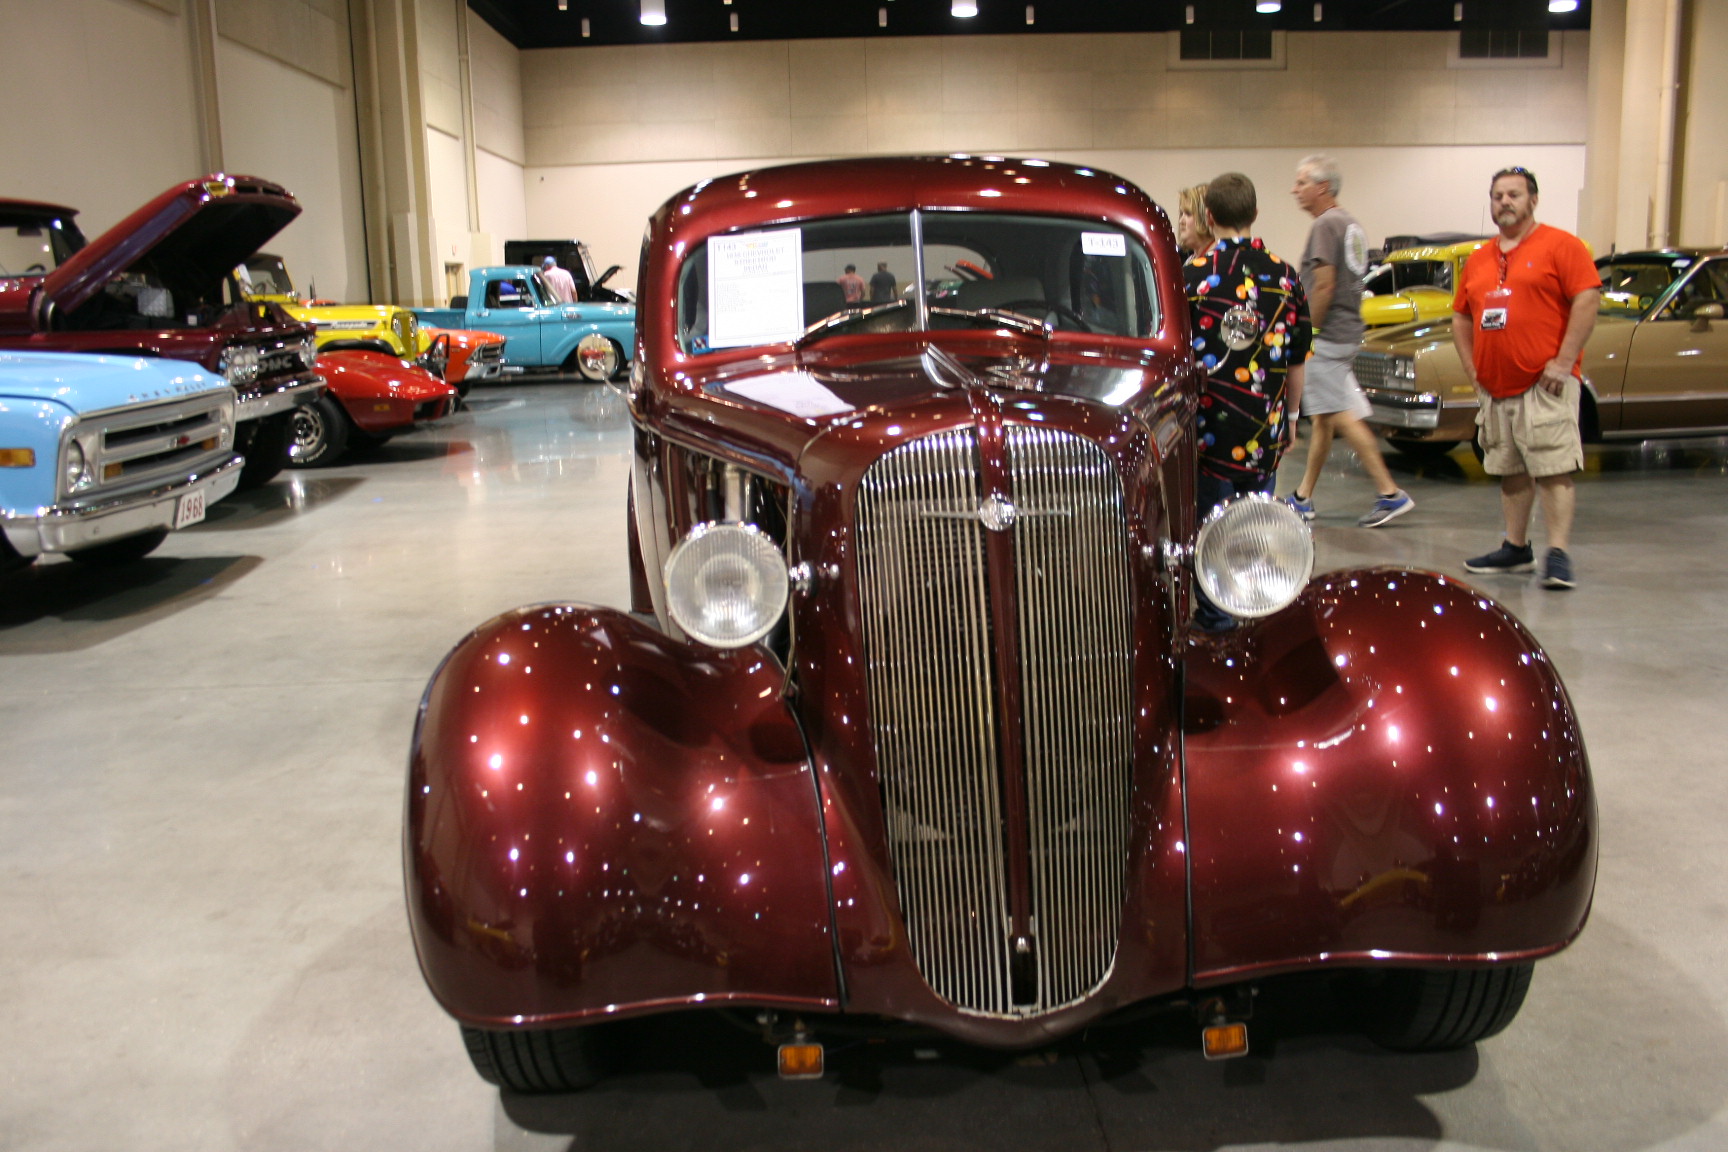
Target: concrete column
column 393, row 164
column 1598, row 204
column 206, row 99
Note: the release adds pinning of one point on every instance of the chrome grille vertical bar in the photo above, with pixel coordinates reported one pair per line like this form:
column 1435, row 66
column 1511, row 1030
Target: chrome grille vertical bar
column 924, row 593
column 927, row 646
column 1076, row 668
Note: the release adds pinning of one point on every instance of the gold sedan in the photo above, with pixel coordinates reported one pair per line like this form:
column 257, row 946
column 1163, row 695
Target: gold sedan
column 1656, row 365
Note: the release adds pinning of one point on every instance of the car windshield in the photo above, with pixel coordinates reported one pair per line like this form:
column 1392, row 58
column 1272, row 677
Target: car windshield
column 1631, row 287
column 32, row 246
column 1397, row 275
column 268, row 276
column 806, row 280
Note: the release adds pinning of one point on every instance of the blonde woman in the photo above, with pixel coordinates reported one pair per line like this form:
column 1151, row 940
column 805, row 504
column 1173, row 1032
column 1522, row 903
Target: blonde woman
column 1192, row 235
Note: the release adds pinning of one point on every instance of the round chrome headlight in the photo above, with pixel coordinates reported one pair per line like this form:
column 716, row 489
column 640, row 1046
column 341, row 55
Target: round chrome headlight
column 1253, row 556
column 75, row 477
column 726, row 584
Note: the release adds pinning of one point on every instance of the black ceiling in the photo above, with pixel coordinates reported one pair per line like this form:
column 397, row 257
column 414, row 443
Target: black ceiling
column 543, row 24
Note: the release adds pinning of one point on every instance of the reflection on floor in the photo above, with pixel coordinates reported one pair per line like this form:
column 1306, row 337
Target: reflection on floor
column 202, row 762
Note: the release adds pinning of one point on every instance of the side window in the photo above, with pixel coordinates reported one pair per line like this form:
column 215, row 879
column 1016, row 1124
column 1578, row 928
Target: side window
column 508, row 294
column 1708, row 284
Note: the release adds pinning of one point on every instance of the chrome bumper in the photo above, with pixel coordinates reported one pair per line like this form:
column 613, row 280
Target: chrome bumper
column 283, row 395
column 67, row 529
column 1416, row 410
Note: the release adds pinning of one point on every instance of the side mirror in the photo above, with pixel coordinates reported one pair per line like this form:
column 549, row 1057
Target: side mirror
column 1703, row 314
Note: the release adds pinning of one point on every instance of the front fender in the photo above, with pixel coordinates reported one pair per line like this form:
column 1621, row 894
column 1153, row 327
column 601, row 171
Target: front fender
column 1388, row 772
column 601, row 819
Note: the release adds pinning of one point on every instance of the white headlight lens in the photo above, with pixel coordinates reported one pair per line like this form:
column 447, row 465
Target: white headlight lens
column 75, row 476
column 1253, row 556
column 726, row 584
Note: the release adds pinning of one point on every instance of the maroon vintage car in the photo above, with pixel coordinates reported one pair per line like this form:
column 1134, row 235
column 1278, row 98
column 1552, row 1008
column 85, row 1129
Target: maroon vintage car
column 160, row 283
column 907, row 722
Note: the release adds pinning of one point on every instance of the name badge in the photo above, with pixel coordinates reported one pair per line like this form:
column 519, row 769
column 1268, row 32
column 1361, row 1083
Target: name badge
column 1493, row 319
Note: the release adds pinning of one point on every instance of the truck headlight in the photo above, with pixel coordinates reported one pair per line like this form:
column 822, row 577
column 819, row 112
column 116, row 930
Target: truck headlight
column 77, row 473
column 1403, row 368
column 309, row 351
column 726, row 584
column 1253, row 556
column 239, row 364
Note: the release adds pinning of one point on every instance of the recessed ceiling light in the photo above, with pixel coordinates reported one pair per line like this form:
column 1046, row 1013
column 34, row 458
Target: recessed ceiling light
column 1561, row 6
column 653, row 12
column 964, row 8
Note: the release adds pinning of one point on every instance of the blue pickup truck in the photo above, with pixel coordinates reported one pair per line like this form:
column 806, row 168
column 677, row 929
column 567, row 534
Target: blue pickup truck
column 102, row 456
column 514, row 300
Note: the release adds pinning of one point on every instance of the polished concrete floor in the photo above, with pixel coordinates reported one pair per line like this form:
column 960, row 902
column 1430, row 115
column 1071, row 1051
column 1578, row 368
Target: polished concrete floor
column 204, row 945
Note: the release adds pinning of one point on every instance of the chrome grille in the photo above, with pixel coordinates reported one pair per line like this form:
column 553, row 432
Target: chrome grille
column 935, row 710
column 1375, row 370
column 140, row 447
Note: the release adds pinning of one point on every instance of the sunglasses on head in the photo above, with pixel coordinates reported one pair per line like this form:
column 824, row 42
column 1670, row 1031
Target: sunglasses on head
column 1529, row 177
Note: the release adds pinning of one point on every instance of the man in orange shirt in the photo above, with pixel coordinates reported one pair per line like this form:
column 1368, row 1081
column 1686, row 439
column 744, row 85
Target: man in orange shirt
column 1524, row 307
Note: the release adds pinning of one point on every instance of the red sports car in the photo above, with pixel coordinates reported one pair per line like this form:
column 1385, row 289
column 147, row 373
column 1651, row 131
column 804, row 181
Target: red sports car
column 371, row 396
column 907, row 720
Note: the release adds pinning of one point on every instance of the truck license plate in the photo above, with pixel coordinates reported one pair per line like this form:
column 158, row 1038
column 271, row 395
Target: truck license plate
column 190, row 510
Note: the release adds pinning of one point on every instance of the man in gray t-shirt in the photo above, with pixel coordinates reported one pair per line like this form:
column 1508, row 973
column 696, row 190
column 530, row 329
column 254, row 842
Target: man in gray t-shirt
column 1332, row 266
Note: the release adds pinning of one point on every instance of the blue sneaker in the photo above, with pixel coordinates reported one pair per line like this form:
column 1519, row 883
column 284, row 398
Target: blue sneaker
column 1557, row 570
column 1304, row 508
column 1387, row 508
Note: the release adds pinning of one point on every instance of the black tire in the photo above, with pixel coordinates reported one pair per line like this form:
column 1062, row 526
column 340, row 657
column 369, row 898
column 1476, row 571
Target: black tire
column 124, row 551
column 264, row 443
column 321, row 431
column 1424, row 1010
column 538, row 1062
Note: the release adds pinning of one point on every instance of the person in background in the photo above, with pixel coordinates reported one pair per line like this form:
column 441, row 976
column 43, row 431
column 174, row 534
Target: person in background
column 1251, row 337
column 883, row 286
column 1525, row 304
column 563, row 284
column 852, row 284
column 1192, row 235
column 1332, row 266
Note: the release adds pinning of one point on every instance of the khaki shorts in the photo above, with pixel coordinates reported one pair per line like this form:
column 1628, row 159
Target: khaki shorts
column 1329, row 385
column 1534, row 432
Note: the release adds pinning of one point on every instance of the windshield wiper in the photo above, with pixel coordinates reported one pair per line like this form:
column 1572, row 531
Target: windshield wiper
column 841, row 319
column 1000, row 316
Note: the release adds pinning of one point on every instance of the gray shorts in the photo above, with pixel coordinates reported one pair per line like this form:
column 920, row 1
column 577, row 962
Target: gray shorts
column 1329, row 384
column 1534, row 432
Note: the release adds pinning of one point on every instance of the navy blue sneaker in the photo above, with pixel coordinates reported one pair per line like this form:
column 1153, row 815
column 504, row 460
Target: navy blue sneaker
column 1557, row 570
column 1304, row 508
column 1505, row 558
column 1386, row 509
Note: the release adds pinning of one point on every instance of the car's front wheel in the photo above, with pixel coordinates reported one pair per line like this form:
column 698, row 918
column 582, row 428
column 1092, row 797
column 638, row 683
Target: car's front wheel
column 597, row 358
column 1425, row 1010
column 320, row 433
column 122, row 551
column 538, row 1062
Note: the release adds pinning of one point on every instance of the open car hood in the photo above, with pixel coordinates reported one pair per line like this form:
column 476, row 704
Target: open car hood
column 190, row 237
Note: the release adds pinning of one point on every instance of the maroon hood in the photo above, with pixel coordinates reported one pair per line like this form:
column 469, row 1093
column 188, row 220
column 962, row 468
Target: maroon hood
column 190, row 237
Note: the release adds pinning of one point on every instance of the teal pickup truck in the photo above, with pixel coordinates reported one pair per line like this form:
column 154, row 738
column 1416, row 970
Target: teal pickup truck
column 514, row 300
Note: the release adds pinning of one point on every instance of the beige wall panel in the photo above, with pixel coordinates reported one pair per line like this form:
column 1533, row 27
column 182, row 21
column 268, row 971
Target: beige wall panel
column 447, row 179
column 830, row 135
column 751, row 81
column 827, row 77
column 972, row 89
column 496, row 80
column 1040, row 130
column 311, row 35
column 119, row 129
column 1144, row 88
column 1137, row 128
column 311, row 152
column 503, row 205
column 440, row 69
column 1703, row 218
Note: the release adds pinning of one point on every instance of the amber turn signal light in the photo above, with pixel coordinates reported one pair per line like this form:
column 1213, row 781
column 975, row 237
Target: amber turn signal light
column 17, row 457
column 1222, row 1041
column 801, row 1061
